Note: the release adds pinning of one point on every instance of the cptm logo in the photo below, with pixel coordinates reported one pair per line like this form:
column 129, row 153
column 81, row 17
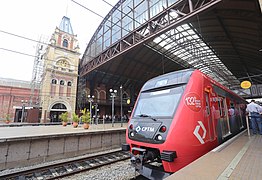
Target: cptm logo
column 196, row 132
column 150, row 129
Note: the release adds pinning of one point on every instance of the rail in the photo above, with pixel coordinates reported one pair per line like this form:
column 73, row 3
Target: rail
column 68, row 168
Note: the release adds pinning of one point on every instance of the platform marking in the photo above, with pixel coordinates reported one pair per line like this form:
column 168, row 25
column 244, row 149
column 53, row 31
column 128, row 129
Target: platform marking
column 196, row 133
column 228, row 171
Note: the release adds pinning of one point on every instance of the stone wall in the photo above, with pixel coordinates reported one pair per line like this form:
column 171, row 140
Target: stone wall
column 26, row 151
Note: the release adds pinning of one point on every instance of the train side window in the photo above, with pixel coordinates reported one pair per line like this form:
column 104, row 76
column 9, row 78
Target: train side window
column 224, row 121
column 231, row 110
column 207, row 105
column 219, row 106
column 239, row 115
column 222, row 107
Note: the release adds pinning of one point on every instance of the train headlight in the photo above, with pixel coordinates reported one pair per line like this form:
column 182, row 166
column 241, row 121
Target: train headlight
column 131, row 126
column 159, row 137
column 132, row 134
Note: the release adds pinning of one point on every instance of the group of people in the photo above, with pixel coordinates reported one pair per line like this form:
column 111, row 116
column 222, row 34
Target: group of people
column 255, row 113
column 107, row 118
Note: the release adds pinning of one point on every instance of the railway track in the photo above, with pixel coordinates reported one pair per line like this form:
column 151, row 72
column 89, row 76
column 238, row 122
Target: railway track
column 68, row 168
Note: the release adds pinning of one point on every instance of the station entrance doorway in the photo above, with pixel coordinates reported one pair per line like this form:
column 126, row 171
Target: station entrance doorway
column 55, row 111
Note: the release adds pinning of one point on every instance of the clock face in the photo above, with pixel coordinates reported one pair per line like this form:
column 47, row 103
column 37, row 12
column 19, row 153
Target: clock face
column 63, row 63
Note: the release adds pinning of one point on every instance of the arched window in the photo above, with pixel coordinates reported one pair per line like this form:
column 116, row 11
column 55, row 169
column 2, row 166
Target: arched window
column 102, row 95
column 59, row 106
column 53, row 87
column 62, row 82
column 65, row 43
column 63, row 63
column 54, row 81
column 68, row 91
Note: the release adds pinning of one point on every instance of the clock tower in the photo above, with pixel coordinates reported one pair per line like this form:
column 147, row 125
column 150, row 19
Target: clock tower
column 59, row 83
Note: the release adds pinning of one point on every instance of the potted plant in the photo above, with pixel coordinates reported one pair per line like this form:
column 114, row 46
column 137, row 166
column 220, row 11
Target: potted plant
column 85, row 117
column 64, row 118
column 7, row 118
column 75, row 120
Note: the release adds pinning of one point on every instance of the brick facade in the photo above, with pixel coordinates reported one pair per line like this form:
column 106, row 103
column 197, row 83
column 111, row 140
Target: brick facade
column 11, row 97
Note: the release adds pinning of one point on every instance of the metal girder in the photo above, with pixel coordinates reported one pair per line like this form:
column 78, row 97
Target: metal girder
column 158, row 25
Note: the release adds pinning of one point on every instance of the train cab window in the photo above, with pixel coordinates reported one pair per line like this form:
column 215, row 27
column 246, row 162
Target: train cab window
column 159, row 103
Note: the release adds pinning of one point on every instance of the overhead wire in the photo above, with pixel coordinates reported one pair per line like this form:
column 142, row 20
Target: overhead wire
column 40, row 42
column 37, row 41
column 87, row 9
column 113, row 24
column 23, row 37
column 17, row 52
column 101, row 16
column 47, row 59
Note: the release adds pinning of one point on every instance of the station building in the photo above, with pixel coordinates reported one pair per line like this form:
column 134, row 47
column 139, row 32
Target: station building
column 14, row 96
column 59, row 83
column 55, row 92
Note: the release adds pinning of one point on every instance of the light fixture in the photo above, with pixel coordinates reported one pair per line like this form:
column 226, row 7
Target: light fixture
column 159, row 137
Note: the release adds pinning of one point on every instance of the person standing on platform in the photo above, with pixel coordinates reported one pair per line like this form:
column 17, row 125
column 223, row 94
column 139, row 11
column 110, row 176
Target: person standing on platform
column 254, row 110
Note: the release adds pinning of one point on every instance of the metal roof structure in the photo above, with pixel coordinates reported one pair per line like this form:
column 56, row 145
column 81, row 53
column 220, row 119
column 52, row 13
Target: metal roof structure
column 139, row 40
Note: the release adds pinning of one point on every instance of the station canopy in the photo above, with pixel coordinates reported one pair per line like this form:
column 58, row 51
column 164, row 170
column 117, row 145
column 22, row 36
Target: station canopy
column 139, row 40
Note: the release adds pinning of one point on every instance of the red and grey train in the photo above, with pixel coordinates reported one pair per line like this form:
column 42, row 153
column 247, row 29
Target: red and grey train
column 179, row 117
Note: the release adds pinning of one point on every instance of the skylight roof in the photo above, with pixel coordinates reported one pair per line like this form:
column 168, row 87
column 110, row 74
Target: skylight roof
column 188, row 46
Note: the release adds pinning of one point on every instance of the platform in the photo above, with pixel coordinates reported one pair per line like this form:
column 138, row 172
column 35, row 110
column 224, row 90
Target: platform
column 239, row 158
column 22, row 146
column 7, row 132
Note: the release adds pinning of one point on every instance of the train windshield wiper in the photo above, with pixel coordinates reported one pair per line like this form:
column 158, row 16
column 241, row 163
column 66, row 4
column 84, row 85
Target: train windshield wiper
column 145, row 115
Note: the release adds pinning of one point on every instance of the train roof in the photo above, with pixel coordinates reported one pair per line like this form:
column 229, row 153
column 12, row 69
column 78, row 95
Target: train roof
column 176, row 77
column 182, row 77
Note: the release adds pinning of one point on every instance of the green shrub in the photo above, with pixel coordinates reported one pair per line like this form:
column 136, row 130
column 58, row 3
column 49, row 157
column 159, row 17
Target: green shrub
column 85, row 117
column 64, row 117
column 75, row 117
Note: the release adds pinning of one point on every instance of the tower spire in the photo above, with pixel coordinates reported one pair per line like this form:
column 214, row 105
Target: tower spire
column 65, row 25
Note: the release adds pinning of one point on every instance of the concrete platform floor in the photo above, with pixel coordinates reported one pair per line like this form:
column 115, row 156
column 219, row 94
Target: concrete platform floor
column 32, row 131
column 240, row 159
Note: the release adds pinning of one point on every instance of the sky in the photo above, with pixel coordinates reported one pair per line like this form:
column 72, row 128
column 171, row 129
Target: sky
column 37, row 20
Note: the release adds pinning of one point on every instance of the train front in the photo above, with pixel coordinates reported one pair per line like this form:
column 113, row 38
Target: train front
column 150, row 123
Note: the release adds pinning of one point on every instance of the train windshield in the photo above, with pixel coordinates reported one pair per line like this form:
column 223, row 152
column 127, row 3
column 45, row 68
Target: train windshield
column 158, row 103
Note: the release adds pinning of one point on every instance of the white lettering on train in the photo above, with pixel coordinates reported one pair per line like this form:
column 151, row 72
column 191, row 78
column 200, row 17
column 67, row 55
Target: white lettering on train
column 150, row 129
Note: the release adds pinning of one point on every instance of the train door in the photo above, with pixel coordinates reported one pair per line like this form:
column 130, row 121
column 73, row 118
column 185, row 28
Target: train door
column 233, row 117
column 209, row 117
column 239, row 116
column 224, row 120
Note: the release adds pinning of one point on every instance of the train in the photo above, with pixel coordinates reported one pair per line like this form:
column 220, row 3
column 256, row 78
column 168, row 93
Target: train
column 177, row 118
